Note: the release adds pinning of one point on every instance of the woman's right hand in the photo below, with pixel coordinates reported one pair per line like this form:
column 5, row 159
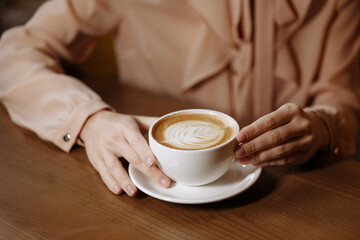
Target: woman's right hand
column 107, row 137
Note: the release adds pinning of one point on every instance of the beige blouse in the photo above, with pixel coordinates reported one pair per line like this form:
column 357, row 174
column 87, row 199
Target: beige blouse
column 242, row 57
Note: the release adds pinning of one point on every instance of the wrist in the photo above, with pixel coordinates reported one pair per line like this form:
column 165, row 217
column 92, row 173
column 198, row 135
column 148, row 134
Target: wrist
column 89, row 124
column 321, row 130
column 324, row 133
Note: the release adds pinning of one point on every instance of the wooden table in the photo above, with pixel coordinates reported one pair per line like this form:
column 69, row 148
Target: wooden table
column 48, row 194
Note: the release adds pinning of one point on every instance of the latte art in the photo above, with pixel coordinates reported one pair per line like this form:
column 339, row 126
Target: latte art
column 193, row 134
column 193, row 131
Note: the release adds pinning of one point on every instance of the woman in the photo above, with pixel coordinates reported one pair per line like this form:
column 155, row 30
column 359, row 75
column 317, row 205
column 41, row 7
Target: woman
column 286, row 70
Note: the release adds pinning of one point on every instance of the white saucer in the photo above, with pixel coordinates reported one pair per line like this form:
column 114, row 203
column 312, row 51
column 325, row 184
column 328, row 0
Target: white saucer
column 236, row 180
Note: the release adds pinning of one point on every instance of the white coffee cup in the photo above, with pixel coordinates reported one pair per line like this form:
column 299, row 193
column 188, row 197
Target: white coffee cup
column 194, row 147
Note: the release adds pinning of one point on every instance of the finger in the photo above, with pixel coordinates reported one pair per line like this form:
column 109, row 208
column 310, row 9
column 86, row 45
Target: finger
column 141, row 147
column 152, row 172
column 106, row 176
column 279, row 152
column 294, row 159
column 268, row 122
column 119, row 173
column 270, row 139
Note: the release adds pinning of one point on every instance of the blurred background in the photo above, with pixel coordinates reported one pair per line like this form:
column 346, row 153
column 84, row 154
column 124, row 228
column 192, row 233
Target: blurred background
column 16, row 12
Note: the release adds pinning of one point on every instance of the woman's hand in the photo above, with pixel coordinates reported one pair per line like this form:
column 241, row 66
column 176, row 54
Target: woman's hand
column 289, row 135
column 107, row 137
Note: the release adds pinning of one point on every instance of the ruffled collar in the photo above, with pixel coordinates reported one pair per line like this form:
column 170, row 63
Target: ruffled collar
column 287, row 13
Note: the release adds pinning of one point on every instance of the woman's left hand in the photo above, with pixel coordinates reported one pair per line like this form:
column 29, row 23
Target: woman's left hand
column 289, row 135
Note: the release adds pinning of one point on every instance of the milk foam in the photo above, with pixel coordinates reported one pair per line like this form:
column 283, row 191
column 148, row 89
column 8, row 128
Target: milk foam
column 193, row 134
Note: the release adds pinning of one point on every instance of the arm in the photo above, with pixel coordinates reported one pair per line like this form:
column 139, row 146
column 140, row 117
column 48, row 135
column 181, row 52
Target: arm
column 291, row 134
column 336, row 94
column 59, row 108
column 33, row 87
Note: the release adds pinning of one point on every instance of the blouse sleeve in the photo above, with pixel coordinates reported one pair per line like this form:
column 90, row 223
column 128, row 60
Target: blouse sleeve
column 33, row 87
column 336, row 94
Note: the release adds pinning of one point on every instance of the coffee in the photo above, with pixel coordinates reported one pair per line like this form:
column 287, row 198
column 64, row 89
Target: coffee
column 194, row 130
column 194, row 146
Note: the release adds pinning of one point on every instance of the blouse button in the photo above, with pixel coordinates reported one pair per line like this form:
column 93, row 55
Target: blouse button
column 67, row 137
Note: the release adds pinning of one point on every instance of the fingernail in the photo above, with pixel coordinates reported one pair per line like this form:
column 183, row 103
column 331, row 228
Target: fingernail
column 240, row 152
column 130, row 190
column 165, row 182
column 117, row 189
column 241, row 137
column 150, row 162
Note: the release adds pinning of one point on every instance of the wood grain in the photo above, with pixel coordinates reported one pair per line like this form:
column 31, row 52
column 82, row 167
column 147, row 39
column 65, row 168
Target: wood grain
column 48, row 194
